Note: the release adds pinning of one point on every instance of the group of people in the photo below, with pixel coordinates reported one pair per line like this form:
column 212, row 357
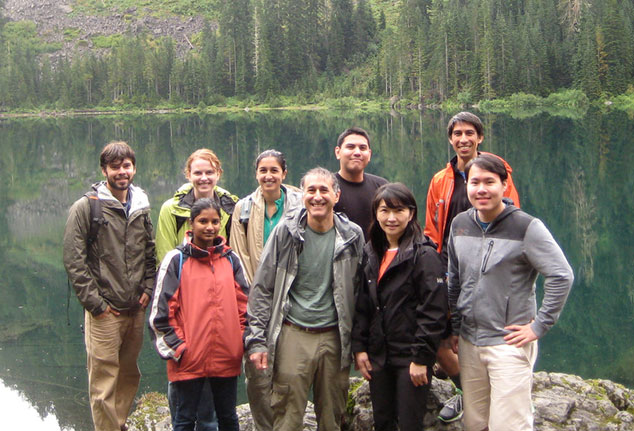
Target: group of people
column 295, row 285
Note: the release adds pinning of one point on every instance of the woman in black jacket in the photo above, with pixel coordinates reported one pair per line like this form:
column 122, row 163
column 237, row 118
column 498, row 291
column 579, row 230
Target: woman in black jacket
column 401, row 311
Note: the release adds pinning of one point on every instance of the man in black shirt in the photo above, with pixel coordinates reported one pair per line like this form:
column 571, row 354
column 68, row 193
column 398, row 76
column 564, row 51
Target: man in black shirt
column 357, row 187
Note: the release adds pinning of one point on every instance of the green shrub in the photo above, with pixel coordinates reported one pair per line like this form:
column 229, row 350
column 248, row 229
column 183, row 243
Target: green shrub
column 71, row 33
column 110, row 41
column 568, row 98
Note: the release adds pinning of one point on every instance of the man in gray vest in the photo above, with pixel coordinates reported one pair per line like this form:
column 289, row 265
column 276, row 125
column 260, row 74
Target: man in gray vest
column 301, row 307
column 112, row 268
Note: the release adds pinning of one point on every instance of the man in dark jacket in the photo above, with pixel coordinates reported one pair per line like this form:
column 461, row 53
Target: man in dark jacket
column 113, row 275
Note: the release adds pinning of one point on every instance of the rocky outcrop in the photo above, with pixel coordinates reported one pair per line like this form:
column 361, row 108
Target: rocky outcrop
column 561, row 401
column 52, row 17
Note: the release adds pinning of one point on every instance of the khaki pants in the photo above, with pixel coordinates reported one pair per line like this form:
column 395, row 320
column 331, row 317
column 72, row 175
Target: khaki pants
column 112, row 348
column 496, row 384
column 303, row 359
column 259, row 394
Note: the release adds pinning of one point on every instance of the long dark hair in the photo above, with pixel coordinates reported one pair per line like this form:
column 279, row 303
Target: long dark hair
column 395, row 195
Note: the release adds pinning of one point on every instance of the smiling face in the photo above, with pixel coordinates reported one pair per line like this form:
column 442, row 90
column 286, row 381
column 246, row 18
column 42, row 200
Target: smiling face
column 465, row 141
column 393, row 221
column 354, row 154
column 485, row 190
column 319, row 198
column 119, row 174
column 205, row 228
column 270, row 175
column 203, row 177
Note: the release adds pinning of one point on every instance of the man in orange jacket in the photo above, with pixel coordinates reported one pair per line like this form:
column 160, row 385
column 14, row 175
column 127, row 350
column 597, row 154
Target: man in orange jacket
column 446, row 198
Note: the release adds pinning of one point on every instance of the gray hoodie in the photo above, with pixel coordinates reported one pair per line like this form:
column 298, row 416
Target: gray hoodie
column 492, row 276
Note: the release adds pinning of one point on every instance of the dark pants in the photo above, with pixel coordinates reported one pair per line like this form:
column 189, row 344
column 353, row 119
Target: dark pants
column 206, row 419
column 184, row 399
column 395, row 399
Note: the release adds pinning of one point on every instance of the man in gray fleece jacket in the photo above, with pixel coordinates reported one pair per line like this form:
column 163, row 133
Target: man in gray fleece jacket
column 496, row 251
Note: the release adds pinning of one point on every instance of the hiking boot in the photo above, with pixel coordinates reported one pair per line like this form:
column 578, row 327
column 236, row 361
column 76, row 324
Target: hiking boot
column 452, row 410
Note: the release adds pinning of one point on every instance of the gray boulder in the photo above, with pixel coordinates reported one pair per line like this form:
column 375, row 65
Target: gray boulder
column 561, row 401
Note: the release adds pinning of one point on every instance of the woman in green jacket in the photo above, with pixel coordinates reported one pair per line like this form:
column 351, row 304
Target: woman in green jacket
column 203, row 170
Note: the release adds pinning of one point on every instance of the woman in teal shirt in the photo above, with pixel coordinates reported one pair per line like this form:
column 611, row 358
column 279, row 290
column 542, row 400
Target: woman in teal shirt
column 254, row 218
column 256, row 215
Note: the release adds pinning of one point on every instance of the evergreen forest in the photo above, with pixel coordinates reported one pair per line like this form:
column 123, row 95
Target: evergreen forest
column 298, row 52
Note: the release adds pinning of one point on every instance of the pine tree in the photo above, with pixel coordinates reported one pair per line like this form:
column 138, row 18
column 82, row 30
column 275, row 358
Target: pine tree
column 340, row 35
column 586, row 61
column 209, row 61
column 616, row 48
column 236, row 30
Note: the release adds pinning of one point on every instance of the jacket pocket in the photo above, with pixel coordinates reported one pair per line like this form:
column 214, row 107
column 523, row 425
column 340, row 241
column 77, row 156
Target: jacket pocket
column 487, row 254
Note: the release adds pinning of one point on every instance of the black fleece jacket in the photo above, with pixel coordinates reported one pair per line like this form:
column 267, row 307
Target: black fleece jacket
column 402, row 318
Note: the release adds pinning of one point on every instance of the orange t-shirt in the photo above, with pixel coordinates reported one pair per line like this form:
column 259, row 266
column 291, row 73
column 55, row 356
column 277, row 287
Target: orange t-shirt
column 388, row 257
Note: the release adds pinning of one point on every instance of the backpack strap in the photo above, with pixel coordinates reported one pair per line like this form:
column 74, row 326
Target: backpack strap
column 96, row 216
column 245, row 212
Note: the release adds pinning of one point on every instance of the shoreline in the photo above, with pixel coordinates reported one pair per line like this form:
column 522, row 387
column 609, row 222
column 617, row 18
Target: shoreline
column 565, row 103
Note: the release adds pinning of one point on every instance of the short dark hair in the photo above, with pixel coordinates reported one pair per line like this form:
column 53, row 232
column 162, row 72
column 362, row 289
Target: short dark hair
column 395, row 195
column 321, row 172
column 353, row 131
column 465, row 117
column 203, row 204
column 115, row 151
column 490, row 163
column 277, row 155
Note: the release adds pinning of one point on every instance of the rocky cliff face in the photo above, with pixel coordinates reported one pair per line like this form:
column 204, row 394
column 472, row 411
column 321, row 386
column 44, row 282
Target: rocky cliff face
column 52, row 17
column 561, row 401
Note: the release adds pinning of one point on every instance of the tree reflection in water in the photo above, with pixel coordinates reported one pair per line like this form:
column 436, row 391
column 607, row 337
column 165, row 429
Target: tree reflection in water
column 573, row 173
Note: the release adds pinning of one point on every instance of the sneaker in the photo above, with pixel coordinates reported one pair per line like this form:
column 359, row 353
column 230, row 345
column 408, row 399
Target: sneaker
column 452, row 410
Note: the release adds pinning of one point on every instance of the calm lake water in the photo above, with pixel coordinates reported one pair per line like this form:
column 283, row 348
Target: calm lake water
column 573, row 173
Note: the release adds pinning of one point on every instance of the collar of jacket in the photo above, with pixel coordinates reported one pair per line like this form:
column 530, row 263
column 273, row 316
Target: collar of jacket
column 345, row 234
column 184, row 198
column 406, row 249
column 139, row 202
column 217, row 250
column 257, row 198
column 508, row 210
column 451, row 166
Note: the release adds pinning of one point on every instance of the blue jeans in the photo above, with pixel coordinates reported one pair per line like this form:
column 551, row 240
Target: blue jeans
column 184, row 401
column 206, row 419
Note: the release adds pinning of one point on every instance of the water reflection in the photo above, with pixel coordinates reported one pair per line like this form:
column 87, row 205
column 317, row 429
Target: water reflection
column 572, row 173
column 18, row 413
